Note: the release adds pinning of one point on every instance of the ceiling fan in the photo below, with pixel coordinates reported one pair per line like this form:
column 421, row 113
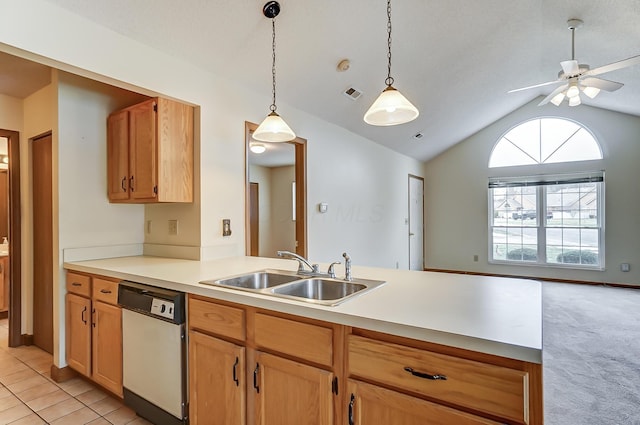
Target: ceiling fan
column 575, row 78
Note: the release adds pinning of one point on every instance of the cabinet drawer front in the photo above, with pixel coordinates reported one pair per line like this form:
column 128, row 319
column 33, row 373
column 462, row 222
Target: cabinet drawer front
column 302, row 340
column 105, row 291
column 79, row 284
column 376, row 405
column 217, row 319
column 479, row 386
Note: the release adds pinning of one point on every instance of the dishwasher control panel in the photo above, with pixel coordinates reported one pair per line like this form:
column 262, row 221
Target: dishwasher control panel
column 162, row 308
column 161, row 303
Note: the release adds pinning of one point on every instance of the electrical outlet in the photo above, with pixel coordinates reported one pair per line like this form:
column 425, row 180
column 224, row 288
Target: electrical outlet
column 475, row 258
column 173, row 227
column 625, row 267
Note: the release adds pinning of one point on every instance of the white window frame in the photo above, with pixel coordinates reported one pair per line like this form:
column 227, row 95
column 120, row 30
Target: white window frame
column 542, row 183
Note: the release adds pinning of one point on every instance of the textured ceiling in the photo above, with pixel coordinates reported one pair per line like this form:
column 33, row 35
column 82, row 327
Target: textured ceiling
column 455, row 60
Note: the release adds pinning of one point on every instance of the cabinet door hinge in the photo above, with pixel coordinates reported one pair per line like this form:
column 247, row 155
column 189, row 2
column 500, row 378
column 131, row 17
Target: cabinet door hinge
column 155, row 107
column 155, row 189
column 334, row 385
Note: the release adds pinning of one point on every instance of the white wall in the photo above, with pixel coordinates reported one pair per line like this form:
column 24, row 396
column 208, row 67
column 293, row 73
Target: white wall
column 262, row 176
column 456, row 200
column 283, row 233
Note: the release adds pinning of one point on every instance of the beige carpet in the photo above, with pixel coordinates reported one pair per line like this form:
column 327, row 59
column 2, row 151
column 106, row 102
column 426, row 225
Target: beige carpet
column 591, row 355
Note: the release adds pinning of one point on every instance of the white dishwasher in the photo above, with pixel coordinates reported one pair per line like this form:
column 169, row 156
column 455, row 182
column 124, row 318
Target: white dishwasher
column 154, row 352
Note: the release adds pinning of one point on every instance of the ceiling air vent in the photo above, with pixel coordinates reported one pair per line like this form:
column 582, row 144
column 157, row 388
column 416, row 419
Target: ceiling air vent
column 352, row 93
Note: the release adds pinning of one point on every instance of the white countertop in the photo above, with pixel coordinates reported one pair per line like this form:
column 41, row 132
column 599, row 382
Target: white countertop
column 493, row 315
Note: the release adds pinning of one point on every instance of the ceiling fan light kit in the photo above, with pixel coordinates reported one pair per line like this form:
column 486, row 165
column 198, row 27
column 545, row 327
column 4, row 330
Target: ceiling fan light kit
column 273, row 128
column 391, row 107
column 579, row 78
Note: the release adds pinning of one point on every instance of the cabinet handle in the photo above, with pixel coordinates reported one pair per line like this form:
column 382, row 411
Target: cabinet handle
column 105, row 291
column 255, row 378
column 124, row 180
column 93, row 320
column 425, row 375
column 235, row 374
column 353, row 400
column 131, row 183
column 76, row 284
column 83, row 318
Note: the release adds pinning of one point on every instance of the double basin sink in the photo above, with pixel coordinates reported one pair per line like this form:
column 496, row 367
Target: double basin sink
column 285, row 284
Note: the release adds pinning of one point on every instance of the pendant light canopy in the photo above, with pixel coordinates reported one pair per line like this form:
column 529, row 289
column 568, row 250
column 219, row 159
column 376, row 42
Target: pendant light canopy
column 273, row 128
column 391, row 107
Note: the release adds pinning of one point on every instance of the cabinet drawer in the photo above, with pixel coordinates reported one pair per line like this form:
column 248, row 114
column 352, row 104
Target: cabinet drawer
column 371, row 404
column 105, row 291
column 217, row 319
column 79, row 284
column 479, row 386
column 302, row 340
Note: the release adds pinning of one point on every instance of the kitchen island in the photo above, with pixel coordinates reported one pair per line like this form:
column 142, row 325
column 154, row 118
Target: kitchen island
column 471, row 322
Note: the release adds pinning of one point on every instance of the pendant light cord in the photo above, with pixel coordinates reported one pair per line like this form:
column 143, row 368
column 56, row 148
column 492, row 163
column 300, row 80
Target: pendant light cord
column 273, row 63
column 389, row 80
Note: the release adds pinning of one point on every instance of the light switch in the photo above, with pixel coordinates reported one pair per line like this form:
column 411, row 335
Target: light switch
column 322, row 207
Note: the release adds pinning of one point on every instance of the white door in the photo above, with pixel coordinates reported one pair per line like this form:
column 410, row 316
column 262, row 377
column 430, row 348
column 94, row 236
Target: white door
column 416, row 223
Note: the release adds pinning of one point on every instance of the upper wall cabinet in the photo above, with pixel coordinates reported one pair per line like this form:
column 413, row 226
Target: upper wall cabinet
column 150, row 153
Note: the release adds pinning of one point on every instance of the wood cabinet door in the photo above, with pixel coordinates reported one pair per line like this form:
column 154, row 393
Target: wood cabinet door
column 143, row 155
column 217, row 387
column 291, row 393
column 369, row 404
column 118, row 156
column 78, row 333
column 107, row 346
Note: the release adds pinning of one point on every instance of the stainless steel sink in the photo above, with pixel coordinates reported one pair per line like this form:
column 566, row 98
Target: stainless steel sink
column 319, row 289
column 256, row 281
column 284, row 284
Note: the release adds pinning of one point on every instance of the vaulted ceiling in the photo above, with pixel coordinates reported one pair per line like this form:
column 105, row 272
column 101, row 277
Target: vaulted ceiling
column 455, row 60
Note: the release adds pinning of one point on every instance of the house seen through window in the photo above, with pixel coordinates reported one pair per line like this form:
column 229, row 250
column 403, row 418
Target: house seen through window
column 552, row 220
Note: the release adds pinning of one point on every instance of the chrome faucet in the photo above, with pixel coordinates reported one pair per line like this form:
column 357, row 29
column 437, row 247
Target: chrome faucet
column 313, row 268
column 347, row 267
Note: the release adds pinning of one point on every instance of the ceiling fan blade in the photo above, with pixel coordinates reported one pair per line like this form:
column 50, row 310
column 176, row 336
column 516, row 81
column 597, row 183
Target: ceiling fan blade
column 548, row 83
column 553, row 94
column 634, row 60
column 601, row 83
column 570, row 67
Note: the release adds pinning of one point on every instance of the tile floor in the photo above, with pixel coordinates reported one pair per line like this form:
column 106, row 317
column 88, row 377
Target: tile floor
column 29, row 396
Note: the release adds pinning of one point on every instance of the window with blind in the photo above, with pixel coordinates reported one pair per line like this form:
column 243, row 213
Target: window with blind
column 548, row 220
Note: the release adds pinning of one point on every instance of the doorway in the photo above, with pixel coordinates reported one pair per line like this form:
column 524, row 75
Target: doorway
column 288, row 205
column 13, row 269
column 416, row 223
column 42, row 243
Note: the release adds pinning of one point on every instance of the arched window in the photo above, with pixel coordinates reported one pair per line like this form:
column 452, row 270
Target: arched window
column 545, row 141
column 547, row 220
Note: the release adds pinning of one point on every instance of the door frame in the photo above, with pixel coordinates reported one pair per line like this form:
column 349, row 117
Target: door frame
column 300, row 146
column 15, row 239
column 411, row 176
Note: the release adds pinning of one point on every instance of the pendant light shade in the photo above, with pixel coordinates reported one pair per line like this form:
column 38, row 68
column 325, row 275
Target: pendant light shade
column 273, row 128
column 391, row 107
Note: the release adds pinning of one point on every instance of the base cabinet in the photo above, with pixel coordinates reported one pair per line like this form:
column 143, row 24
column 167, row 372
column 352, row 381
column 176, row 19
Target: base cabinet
column 371, row 404
column 250, row 367
column 291, row 393
column 94, row 330
column 217, row 381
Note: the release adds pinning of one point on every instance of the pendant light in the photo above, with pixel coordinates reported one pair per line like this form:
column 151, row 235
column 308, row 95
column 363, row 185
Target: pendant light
column 273, row 128
column 391, row 107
